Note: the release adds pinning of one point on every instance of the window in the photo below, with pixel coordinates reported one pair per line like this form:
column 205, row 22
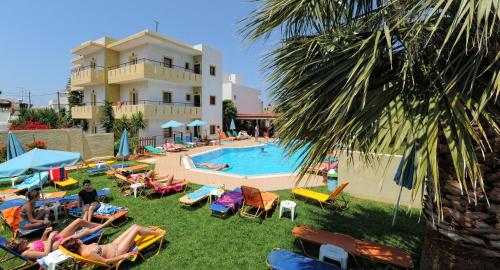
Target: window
column 92, row 63
column 167, row 62
column 134, row 97
column 234, row 97
column 212, row 70
column 197, row 69
column 167, row 97
column 188, row 97
column 212, row 129
column 186, row 66
column 212, row 100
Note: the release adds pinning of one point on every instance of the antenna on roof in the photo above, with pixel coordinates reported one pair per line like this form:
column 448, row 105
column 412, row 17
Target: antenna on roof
column 156, row 25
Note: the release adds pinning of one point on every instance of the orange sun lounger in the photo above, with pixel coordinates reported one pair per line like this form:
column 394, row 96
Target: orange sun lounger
column 370, row 250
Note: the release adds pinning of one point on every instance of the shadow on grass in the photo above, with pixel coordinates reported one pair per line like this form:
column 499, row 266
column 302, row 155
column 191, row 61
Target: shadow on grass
column 363, row 221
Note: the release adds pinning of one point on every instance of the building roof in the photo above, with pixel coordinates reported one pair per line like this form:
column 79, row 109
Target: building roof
column 254, row 116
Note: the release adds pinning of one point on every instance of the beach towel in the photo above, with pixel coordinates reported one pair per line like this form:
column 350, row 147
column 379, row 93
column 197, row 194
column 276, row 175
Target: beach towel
column 37, row 180
column 58, row 174
column 233, row 200
column 107, row 210
column 201, row 192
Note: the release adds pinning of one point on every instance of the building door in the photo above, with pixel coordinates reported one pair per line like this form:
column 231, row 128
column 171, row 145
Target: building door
column 197, row 68
column 93, row 98
column 167, row 62
column 167, row 97
column 197, row 101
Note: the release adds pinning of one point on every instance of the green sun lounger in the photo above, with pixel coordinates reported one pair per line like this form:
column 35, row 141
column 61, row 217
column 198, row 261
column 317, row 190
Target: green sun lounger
column 153, row 150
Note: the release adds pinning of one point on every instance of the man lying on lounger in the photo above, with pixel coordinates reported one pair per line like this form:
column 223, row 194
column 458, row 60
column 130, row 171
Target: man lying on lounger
column 214, row 167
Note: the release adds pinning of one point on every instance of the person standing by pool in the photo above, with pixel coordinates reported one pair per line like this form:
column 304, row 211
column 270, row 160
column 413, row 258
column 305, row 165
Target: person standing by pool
column 256, row 132
column 218, row 131
column 88, row 197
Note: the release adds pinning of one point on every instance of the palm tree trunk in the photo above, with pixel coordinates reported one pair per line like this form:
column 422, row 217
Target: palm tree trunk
column 469, row 235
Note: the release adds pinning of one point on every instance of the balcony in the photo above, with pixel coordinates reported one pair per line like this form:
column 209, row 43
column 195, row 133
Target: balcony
column 86, row 76
column 158, row 110
column 85, row 112
column 145, row 69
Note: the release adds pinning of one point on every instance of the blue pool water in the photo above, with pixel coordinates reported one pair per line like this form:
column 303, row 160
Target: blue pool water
column 251, row 160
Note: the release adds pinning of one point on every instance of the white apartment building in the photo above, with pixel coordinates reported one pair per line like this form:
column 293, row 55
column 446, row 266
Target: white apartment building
column 147, row 72
column 246, row 99
column 59, row 103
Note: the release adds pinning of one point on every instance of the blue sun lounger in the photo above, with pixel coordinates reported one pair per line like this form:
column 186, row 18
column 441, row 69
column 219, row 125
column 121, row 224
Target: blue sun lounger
column 107, row 168
column 36, row 180
column 281, row 259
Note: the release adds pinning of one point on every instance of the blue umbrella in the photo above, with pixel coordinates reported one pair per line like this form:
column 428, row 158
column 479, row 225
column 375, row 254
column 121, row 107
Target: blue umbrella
column 172, row 124
column 38, row 160
column 14, row 147
column 404, row 178
column 197, row 123
column 232, row 126
column 123, row 150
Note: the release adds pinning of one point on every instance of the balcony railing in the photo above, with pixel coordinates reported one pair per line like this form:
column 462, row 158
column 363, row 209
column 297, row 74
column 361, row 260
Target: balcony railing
column 89, row 75
column 85, row 112
column 157, row 110
column 147, row 69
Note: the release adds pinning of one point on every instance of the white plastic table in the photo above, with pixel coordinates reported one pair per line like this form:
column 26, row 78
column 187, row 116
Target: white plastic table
column 217, row 193
column 288, row 205
column 55, row 258
column 335, row 253
column 136, row 186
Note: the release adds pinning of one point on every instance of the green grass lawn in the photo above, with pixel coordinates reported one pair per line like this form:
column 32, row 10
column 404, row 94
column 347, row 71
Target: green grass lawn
column 197, row 240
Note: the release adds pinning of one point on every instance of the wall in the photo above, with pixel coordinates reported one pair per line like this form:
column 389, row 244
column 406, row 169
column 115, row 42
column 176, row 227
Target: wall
column 140, row 88
column 100, row 94
column 211, row 86
column 140, row 52
column 156, row 89
column 375, row 182
column 247, row 99
column 179, row 59
column 72, row 139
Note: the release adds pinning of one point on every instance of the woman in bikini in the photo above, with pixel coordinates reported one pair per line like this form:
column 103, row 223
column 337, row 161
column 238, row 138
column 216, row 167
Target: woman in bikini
column 115, row 251
column 214, row 167
column 51, row 240
column 30, row 219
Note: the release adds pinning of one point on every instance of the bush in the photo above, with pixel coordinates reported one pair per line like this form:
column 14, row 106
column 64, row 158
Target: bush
column 28, row 125
column 36, row 144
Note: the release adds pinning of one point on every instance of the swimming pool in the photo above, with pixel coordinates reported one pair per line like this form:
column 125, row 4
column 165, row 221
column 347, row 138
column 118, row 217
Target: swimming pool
column 251, row 160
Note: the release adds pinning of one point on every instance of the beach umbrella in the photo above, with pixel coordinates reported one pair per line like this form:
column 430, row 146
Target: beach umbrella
column 404, row 178
column 197, row 123
column 38, row 160
column 123, row 150
column 14, row 147
column 172, row 124
column 232, row 126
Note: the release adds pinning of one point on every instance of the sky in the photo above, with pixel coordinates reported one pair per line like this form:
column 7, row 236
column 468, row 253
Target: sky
column 36, row 37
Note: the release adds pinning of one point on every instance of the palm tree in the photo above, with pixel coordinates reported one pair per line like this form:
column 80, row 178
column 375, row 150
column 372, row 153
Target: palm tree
column 378, row 76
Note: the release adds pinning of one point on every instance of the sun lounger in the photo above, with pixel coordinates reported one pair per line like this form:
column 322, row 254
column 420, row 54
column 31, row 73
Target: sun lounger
column 162, row 188
column 230, row 202
column 261, row 202
column 143, row 242
column 101, row 164
column 59, row 177
column 27, row 263
column 321, row 198
column 104, row 213
column 36, row 180
column 132, row 169
column 280, row 259
column 104, row 169
column 197, row 195
column 11, row 218
column 370, row 250
column 155, row 151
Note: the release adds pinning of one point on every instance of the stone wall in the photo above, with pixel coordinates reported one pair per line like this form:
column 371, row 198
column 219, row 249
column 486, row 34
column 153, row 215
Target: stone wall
column 374, row 181
column 71, row 139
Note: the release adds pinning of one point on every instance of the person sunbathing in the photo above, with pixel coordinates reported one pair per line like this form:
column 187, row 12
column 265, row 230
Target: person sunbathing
column 51, row 239
column 121, row 248
column 214, row 167
column 31, row 218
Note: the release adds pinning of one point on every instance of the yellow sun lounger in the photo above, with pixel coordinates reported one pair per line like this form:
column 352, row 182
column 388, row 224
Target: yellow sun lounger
column 142, row 242
column 66, row 183
column 138, row 167
column 105, row 163
column 321, row 197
